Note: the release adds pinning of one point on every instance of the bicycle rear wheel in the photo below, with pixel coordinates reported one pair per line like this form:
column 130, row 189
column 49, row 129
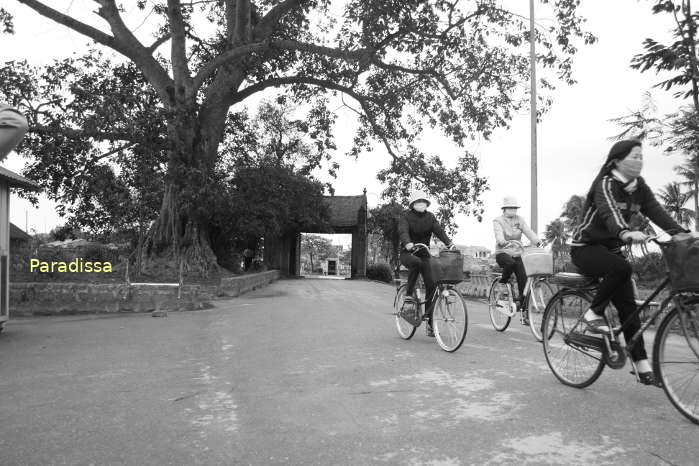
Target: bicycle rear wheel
column 676, row 363
column 540, row 294
column 499, row 305
column 574, row 356
column 450, row 320
column 405, row 329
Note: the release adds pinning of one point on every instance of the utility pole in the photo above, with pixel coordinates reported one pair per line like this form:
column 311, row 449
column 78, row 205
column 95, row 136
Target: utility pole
column 534, row 181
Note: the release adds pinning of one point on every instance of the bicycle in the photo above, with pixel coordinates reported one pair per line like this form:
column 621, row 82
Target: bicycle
column 577, row 357
column 449, row 315
column 504, row 302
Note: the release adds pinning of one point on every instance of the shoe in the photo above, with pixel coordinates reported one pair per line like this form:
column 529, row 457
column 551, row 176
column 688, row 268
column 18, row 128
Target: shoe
column 524, row 321
column 648, row 378
column 595, row 323
column 428, row 330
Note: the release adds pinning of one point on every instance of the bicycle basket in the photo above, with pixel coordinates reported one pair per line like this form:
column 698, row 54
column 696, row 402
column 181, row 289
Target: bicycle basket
column 537, row 261
column 682, row 259
column 448, row 267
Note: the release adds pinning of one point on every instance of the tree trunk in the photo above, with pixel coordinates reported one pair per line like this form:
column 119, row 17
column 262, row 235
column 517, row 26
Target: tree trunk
column 180, row 234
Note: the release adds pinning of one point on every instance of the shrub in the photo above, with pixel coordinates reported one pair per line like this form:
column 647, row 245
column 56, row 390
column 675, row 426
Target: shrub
column 381, row 272
column 650, row 268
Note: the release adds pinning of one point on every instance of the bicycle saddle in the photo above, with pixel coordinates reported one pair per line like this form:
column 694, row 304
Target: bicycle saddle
column 573, row 280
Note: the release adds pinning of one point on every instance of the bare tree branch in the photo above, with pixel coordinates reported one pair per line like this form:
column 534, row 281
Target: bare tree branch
column 180, row 70
column 158, row 42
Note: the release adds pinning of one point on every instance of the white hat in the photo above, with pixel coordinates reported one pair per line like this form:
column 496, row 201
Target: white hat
column 510, row 202
column 418, row 196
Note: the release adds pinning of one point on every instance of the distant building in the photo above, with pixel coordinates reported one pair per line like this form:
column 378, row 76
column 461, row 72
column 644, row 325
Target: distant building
column 18, row 237
column 8, row 180
column 478, row 252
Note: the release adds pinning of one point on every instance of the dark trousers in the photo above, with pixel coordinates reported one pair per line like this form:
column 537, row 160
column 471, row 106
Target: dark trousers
column 509, row 265
column 419, row 265
column 616, row 286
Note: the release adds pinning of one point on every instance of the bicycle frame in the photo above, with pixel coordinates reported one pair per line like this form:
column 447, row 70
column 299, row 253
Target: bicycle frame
column 523, row 301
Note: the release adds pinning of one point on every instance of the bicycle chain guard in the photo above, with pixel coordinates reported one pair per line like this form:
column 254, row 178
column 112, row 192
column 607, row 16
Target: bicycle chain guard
column 411, row 314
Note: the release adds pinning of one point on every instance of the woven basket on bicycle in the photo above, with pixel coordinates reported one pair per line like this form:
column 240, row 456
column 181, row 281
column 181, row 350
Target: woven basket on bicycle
column 448, row 267
column 537, row 262
column 682, row 260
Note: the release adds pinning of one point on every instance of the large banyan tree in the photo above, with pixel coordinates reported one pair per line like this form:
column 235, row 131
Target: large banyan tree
column 460, row 67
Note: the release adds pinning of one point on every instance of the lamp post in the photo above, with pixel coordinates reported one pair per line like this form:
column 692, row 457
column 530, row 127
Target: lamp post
column 532, row 59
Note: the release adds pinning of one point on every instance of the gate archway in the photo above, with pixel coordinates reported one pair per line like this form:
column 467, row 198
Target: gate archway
column 348, row 215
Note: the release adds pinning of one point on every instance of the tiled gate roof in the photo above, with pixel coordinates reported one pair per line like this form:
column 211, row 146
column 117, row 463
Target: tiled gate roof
column 344, row 210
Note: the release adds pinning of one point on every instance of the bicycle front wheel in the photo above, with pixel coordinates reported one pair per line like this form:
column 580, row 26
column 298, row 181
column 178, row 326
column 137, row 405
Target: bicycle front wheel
column 539, row 295
column 677, row 364
column 499, row 305
column 573, row 355
column 405, row 329
column 450, row 320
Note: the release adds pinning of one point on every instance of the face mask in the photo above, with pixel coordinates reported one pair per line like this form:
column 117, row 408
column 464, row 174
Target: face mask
column 420, row 207
column 630, row 168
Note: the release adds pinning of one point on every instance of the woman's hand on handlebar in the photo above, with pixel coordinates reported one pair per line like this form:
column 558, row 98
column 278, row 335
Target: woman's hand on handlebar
column 634, row 237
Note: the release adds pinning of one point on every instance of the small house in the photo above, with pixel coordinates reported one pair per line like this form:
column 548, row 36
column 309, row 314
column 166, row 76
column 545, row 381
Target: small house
column 8, row 179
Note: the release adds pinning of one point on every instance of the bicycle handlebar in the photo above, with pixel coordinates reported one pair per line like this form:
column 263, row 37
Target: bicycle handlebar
column 418, row 246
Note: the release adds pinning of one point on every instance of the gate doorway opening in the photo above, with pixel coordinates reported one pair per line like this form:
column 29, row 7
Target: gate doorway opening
column 326, row 255
column 348, row 216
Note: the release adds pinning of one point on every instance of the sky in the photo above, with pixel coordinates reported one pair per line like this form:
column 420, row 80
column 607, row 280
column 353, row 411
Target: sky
column 573, row 136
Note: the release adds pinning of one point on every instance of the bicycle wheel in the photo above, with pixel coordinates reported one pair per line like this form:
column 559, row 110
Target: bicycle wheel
column 574, row 356
column 450, row 320
column 499, row 305
column 540, row 294
column 677, row 365
column 405, row 329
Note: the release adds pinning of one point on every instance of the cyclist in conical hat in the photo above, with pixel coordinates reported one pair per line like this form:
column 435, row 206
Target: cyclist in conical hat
column 416, row 225
column 616, row 194
column 13, row 125
column 508, row 229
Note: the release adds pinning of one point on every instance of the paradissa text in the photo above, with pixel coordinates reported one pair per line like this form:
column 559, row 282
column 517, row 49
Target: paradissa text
column 77, row 265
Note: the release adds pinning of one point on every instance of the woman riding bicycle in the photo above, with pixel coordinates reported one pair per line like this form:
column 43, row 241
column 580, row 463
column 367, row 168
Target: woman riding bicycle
column 616, row 194
column 508, row 246
column 416, row 225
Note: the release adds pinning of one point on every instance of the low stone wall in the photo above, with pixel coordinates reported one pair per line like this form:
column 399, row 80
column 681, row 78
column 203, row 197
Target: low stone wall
column 45, row 298
column 477, row 286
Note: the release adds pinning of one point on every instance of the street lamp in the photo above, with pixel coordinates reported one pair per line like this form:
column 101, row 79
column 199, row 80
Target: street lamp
column 532, row 59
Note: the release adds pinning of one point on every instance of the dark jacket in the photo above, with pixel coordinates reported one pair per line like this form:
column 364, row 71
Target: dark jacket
column 607, row 215
column 416, row 227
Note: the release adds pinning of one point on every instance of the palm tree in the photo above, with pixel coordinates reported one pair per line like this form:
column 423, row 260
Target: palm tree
column 674, row 200
column 689, row 171
column 573, row 212
column 557, row 235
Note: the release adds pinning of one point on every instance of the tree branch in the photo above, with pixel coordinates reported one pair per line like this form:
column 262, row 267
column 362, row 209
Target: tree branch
column 136, row 51
column 180, row 70
column 264, row 28
column 82, row 28
column 158, row 42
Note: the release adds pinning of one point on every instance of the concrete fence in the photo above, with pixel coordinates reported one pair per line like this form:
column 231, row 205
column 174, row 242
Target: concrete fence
column 49, row 298
column 477, row 286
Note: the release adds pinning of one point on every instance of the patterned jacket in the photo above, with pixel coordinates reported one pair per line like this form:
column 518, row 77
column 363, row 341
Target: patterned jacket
column 607, row 217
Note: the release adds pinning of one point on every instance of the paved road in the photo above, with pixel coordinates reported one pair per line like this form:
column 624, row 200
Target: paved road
column 311, row 372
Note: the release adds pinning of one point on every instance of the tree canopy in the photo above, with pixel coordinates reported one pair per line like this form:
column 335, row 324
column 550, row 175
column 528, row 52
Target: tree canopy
column 403, row 67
